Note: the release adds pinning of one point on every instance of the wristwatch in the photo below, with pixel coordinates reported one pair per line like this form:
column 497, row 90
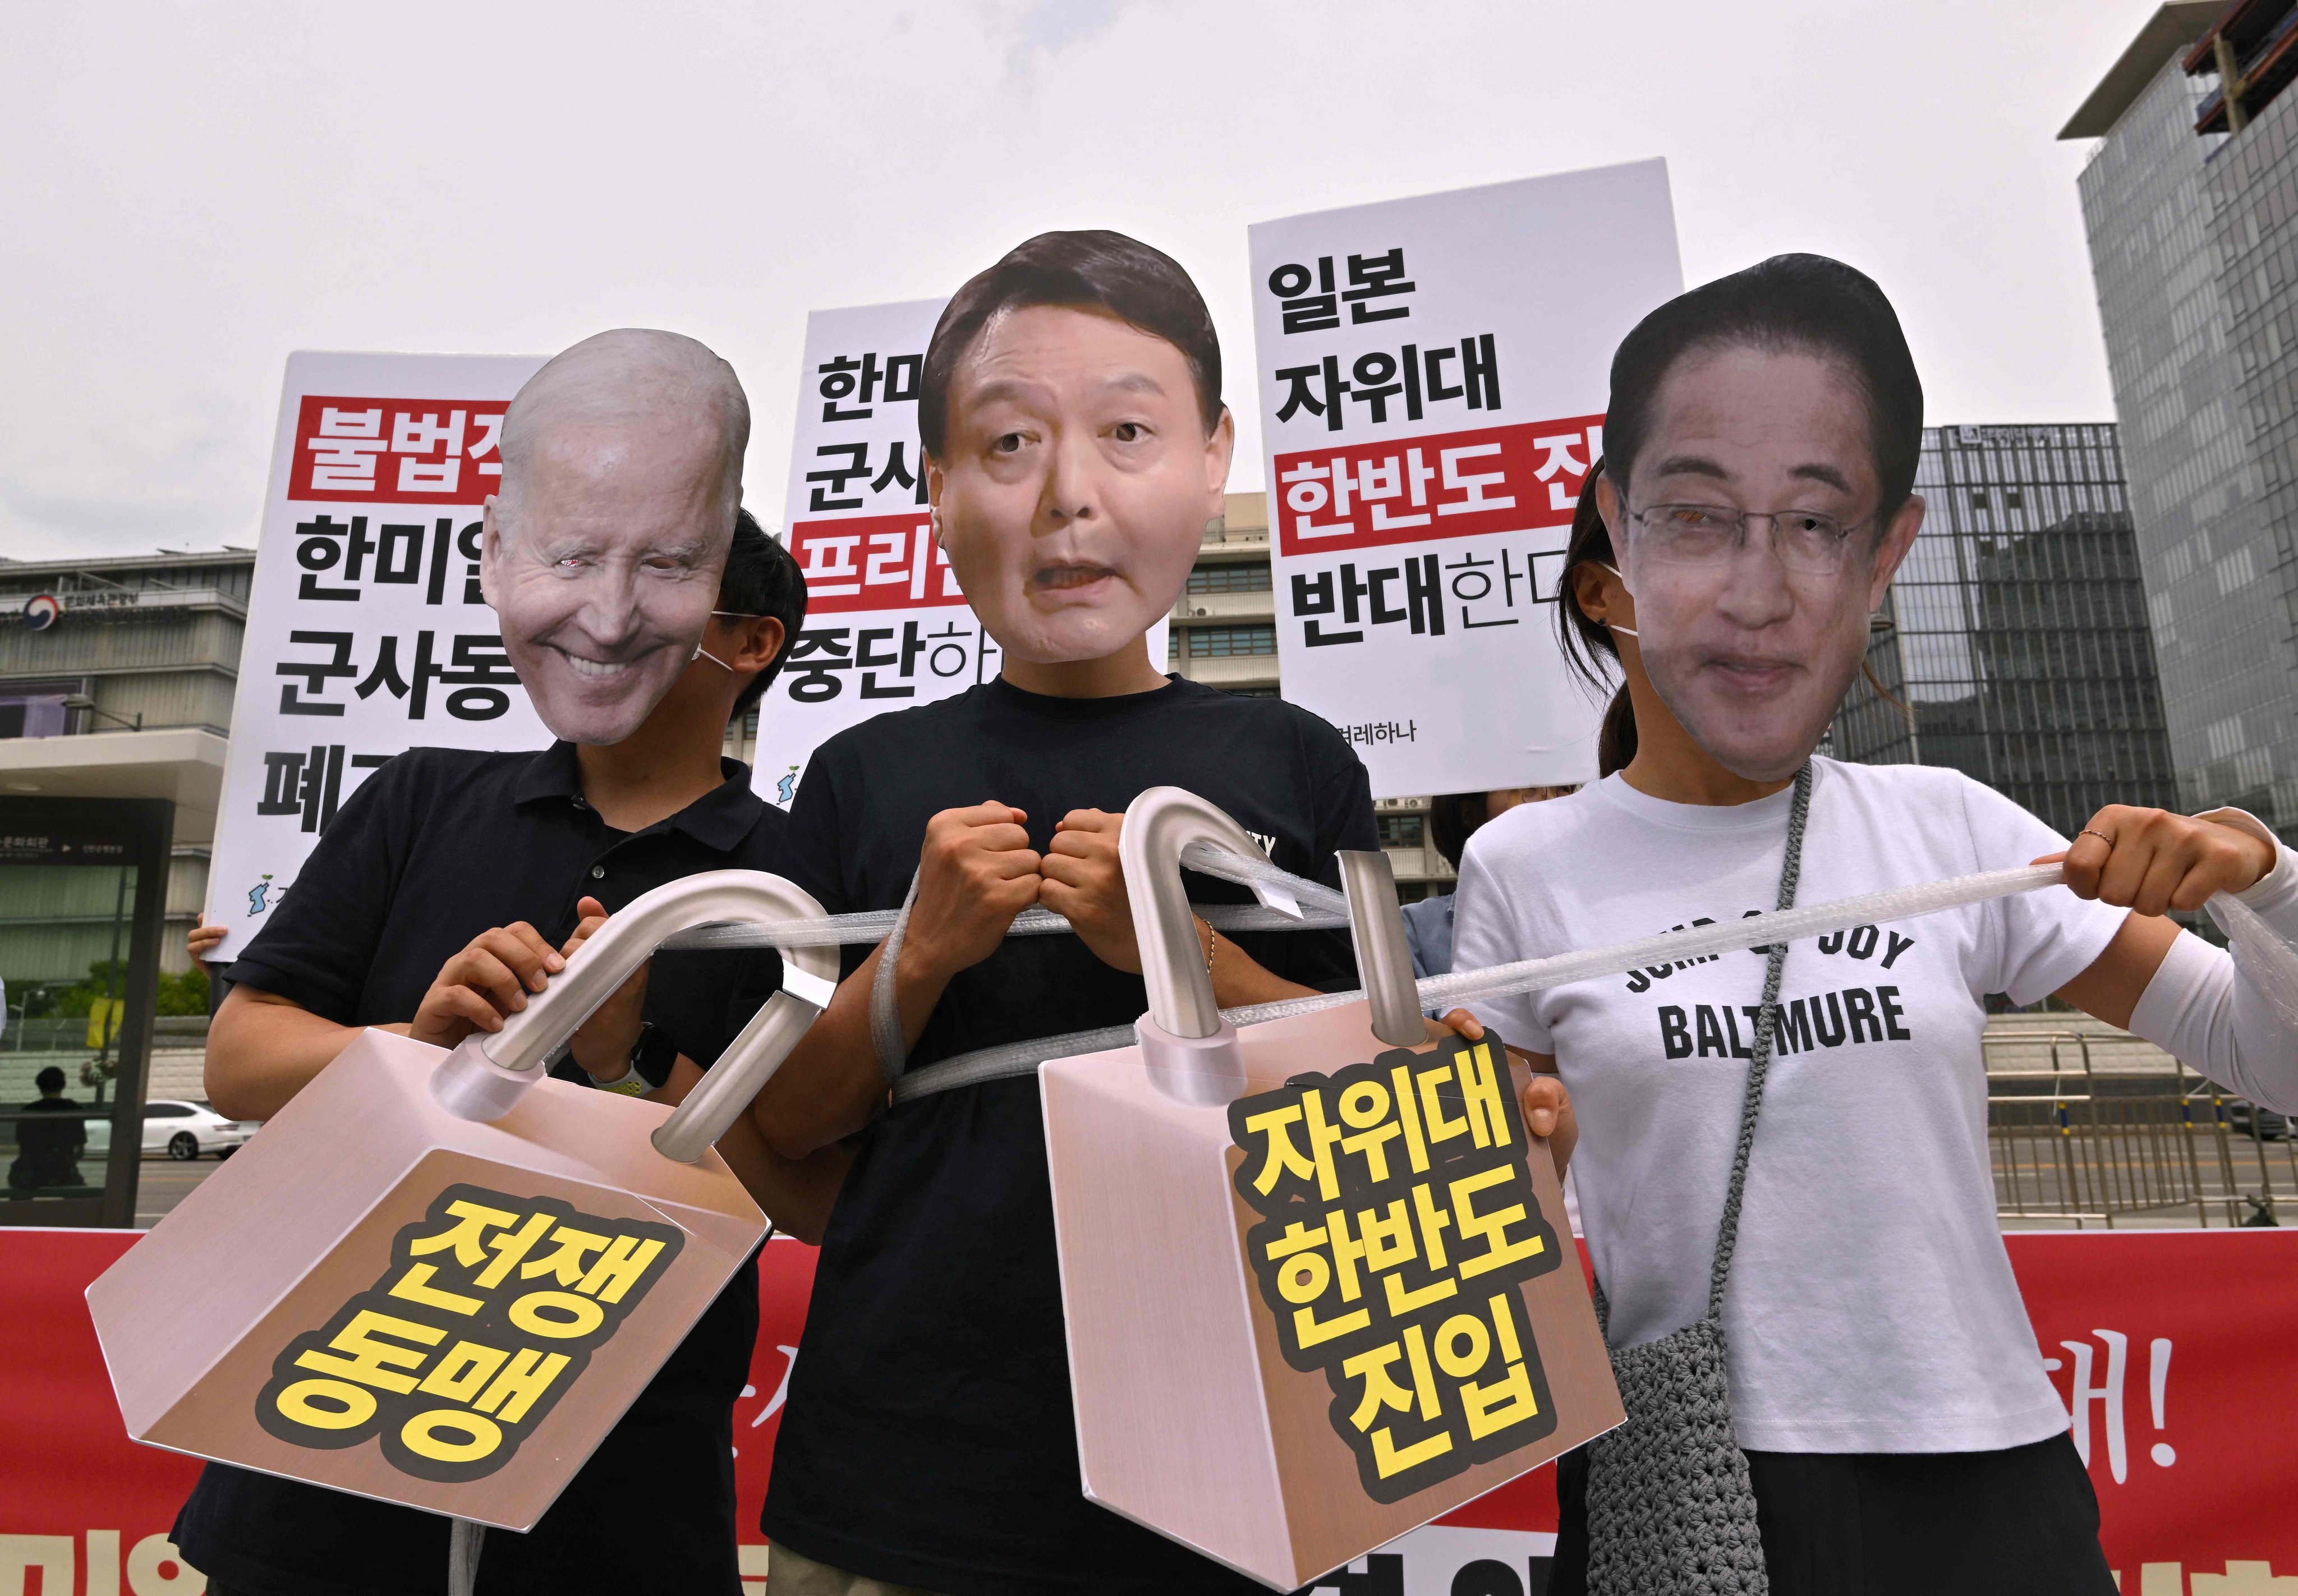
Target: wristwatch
column 651, row 1057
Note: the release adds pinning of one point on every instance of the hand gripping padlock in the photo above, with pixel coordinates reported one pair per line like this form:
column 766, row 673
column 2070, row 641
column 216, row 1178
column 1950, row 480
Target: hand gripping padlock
column 486, row 1076
column 1240, row 1341
column 439, row 1280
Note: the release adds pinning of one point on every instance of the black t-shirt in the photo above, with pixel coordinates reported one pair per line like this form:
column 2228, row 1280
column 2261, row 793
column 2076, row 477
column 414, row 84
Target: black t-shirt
column 928, row 1436
column 48, row 1153
column 436, row 847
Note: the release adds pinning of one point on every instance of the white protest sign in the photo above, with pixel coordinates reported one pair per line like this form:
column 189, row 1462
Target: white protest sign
column 1433, row 377
column 367, row 635
column 887, row 626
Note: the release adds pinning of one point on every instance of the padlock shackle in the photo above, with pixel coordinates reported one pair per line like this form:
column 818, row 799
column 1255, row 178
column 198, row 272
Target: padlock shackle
column 1158, row 825
column 484, row 1076
column 1384, row 952
column 752, row 1059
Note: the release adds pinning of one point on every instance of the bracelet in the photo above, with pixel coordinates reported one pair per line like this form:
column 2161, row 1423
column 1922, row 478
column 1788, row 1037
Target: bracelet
column 1212, row 943
column 637, row 1079
column 632, row 1084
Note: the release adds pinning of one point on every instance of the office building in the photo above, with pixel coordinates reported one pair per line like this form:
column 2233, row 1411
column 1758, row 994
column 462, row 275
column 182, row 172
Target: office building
column 2015, row 637
column 2191, row 204
column 116, row 680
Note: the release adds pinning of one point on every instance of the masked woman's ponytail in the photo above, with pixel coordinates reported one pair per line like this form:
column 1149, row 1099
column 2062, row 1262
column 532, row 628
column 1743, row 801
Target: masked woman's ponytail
column 1587, row 643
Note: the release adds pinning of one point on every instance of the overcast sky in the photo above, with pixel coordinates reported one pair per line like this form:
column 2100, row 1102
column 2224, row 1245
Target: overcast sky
column 189, row 191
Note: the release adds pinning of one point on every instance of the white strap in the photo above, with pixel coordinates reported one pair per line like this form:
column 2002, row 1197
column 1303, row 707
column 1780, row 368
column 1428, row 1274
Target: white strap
column 892, row 1048
column 1445, row 992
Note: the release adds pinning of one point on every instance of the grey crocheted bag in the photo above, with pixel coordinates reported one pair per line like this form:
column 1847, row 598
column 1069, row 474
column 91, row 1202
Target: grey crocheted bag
column 1671, row 1509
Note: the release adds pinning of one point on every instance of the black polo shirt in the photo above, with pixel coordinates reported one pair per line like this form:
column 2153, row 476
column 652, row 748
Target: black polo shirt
column 436, row 847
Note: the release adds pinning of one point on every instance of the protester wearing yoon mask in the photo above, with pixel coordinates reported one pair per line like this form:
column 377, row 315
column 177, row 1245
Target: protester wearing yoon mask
column 644, row 612
column 1900, row 1431
column 1077, row 445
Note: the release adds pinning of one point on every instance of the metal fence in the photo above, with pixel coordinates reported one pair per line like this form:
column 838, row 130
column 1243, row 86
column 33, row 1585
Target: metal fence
column 2085, row 1130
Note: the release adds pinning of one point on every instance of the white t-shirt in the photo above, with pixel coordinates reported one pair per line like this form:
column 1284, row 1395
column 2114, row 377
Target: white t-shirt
column 1872, row 1307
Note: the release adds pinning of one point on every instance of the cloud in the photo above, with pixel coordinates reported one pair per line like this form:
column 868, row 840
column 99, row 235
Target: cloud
column 1049, row 27
column 189, row 200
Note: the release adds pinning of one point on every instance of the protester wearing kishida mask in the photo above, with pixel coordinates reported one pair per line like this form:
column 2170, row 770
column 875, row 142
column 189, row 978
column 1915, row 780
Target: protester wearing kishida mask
column 1900, row 1431
column 603, row 549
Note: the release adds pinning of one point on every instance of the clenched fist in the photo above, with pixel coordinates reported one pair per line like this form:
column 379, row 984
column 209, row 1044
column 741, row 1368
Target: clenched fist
column 976, row 871
column 1085, row 883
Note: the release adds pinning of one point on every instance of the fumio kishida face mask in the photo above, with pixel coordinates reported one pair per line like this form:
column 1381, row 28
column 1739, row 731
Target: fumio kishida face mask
column 1752, row 548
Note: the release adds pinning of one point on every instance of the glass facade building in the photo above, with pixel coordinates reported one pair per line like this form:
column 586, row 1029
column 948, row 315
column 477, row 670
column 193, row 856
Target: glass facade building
column 2015, row 637
column 2193, row 243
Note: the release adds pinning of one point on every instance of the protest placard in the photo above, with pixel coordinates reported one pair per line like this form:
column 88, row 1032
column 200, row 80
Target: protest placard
column 367, row 634
column 1432, row 377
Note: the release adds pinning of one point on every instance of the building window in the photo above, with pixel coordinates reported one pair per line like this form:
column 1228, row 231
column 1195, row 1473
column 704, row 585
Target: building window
column 1404, row 831
column 36, row 708
column 1228, row 642
column 1979, row 499
column 1230, row 579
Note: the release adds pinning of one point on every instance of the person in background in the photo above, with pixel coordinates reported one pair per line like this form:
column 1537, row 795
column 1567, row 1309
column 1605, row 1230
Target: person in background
column 48, row 1153
column 644, row 612
column 1453, row 818
column 200, row 942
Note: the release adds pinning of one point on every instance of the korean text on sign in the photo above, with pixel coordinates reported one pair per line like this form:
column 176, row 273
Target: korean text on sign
column 397, row 450
column 1310, row 303
column 1442, row 485
column 1398, row 1222
column 472, row 666
column 873, row 562
column 339, row 559
column 488, row 1314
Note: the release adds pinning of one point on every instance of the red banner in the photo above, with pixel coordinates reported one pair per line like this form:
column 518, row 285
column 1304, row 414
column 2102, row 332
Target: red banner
column 2171, row 1348
column 397, row 451
column 873, row 563
column 1444, row 486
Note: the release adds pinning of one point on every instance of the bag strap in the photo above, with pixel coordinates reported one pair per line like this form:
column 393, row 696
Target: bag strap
column 1727, row 1237
column 1759, row 1065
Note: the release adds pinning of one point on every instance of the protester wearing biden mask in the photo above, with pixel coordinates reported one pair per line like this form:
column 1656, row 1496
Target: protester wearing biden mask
column 1900, row 1431
column 1077, row 445
column 643, row 611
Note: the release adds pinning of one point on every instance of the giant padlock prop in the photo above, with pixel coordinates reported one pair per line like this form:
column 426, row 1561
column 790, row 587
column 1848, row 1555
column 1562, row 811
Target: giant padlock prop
column 439, row 1278
column 1318, row 1282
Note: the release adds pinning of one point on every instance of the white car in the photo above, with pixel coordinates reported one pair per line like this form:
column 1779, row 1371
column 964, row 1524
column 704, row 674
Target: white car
column 180, row 1127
